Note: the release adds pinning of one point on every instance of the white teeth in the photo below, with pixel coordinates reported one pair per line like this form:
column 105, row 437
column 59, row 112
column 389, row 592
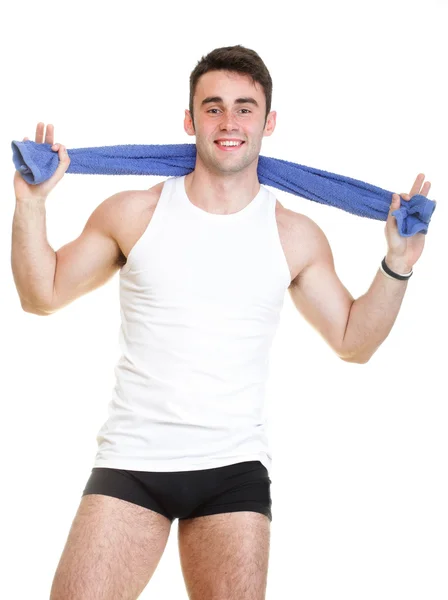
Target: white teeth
column 229, row 143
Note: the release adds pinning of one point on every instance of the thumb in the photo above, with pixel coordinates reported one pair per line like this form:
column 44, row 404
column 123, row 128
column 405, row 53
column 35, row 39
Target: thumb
column 64, row 163
column 395, row 204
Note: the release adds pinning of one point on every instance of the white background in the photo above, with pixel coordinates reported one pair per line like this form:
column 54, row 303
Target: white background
column 359, row 472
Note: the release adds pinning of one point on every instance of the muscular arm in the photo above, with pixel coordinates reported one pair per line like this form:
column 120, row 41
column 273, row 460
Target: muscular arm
column 47, row 280
column 354, row 329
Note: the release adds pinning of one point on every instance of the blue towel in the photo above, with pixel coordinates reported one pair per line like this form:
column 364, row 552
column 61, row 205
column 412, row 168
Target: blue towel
column 37, row 162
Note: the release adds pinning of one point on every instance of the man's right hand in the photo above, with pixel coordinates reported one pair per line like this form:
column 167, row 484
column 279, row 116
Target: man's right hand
column 39, row 192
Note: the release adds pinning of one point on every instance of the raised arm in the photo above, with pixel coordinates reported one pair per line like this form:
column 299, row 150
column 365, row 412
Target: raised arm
column 356, row 328
column 317, row 291
column 47, row 280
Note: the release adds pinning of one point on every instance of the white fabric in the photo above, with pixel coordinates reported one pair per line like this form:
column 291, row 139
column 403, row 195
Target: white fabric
column 200, row 297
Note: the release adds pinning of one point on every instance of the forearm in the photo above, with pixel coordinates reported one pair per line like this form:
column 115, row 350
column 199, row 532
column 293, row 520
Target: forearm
column 33, row 260
column 373, row 315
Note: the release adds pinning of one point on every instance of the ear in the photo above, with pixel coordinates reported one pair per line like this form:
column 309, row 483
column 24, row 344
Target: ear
column 270, row 124
column 188, row 123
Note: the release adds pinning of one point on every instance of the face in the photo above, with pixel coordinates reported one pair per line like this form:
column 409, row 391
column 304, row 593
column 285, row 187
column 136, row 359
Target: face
column 220, row 115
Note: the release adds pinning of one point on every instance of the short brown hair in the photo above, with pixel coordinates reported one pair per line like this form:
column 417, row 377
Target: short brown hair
column 237, row 59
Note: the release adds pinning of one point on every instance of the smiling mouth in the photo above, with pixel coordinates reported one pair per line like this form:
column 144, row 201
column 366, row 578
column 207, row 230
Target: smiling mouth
column 229, row 147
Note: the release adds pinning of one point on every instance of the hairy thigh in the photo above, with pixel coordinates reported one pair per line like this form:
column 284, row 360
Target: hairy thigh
column 111, row 552
column 225, row 556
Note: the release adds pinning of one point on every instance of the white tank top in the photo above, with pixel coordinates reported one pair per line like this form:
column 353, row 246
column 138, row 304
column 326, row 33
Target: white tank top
column 200, row 299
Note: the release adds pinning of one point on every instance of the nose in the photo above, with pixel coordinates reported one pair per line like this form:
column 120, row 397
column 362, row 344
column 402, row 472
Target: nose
column 228, row 122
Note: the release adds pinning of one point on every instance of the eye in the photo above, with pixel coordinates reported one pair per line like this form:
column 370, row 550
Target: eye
column 246, row 109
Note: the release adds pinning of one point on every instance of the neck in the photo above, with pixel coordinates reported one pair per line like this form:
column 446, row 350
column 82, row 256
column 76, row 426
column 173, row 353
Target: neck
column 221, row 193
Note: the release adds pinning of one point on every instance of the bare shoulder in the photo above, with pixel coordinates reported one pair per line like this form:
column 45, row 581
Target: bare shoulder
column 132, row 201
column 297, row 223
column 127, row 214
column 302, row 239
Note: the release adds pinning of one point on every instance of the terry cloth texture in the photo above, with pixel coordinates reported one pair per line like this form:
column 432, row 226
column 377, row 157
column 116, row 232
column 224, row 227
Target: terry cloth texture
column 37, row 162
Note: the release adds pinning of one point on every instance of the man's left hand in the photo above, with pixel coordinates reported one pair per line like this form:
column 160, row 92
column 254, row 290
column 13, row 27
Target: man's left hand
column 404, row 252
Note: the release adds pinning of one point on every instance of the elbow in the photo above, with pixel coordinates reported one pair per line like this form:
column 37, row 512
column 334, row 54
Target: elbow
column 39, row 313
column 359, row 356
column 35, row 311
column 355, row 358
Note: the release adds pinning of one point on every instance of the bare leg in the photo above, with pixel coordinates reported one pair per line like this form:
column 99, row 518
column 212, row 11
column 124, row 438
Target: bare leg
column 225, row 556
column 112, row 550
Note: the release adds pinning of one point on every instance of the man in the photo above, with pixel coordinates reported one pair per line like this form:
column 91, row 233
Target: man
column 205, row 262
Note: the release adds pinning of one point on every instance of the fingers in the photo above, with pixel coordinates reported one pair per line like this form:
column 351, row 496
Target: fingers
column 416, row 190
column 426, row 188
column 417, row 184
column 49, row 135
column 40, row 133
column 417, row 187
column 62, row 150
column 396, row 197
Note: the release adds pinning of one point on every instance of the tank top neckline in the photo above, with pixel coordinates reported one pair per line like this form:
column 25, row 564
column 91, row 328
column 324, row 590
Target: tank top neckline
column 217, row 217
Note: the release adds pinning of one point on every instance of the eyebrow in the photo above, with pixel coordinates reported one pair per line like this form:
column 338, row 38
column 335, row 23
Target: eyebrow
column 218, row 99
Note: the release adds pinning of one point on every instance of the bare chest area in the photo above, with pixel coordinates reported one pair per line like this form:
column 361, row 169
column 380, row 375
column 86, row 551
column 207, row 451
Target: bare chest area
column 136, row 217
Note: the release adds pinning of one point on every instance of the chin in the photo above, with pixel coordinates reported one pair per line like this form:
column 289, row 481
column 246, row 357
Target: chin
column 223, row 166
column 229, row 169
